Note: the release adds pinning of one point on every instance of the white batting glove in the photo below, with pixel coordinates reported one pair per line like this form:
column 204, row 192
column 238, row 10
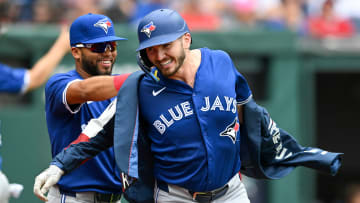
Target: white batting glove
column 45, row 180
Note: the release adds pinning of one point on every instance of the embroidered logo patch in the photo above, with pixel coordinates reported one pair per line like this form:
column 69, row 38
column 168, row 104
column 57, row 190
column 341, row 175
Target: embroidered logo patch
column 103, row 24
column 231, row 130
column 147, row 29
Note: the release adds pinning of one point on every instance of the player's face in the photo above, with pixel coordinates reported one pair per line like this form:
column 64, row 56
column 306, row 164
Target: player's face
column 98, row 63
column 168, row 58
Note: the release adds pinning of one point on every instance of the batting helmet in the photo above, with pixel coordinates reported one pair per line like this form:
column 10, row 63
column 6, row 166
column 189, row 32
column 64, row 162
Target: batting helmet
column 158, row 27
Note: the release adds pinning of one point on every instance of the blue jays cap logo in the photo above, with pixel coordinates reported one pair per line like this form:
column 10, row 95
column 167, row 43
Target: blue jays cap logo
column 103, row 24
column 147, row 29
column 231, row 130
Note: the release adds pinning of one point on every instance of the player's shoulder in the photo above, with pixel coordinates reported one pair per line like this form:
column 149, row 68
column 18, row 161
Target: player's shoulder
column 215, row 53
column 61, row 79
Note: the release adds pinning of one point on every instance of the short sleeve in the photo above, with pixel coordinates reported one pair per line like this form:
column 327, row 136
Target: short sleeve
column 12, row 80
column 243, row 92
column 55, row 94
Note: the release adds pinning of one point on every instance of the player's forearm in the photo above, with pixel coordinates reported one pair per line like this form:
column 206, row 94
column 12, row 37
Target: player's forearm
column 96, row 88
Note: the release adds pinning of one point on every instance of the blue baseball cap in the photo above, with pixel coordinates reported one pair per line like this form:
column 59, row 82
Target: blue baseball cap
column 92, row 28
column 160, row 27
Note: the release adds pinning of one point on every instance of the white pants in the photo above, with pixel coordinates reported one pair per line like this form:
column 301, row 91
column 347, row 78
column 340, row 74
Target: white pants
column 236, row 194
column 54, row 196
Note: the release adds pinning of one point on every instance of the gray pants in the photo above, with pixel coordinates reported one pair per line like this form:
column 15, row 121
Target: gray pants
column 236, row 193
column 54, row 196
column 4, row 189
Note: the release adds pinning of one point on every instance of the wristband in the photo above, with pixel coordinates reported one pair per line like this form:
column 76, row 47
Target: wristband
column 119, row 80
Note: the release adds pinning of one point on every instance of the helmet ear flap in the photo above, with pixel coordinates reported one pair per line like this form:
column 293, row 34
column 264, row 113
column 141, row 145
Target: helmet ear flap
column 145, row 59
column 145, row 64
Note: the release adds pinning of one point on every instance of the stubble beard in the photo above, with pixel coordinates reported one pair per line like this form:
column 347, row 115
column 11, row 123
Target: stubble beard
column 93, row 69
column 180, row 60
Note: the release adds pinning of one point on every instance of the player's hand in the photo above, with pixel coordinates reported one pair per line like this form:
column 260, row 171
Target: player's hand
column 45, row 180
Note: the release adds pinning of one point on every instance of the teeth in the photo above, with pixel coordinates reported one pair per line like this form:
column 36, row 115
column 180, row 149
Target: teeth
column 167, row 62
column 106, row 62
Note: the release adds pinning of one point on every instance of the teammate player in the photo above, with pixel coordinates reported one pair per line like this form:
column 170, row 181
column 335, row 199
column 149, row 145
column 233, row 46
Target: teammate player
column 198, row 90
column 21, row 80
column 73, row 98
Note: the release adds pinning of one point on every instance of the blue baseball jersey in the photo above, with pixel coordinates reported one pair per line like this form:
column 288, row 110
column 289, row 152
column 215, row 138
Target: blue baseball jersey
column 65, row 123
column 194, row 132
column 13, row 80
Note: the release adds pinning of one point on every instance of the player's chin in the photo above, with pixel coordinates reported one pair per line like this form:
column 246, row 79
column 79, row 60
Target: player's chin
column 105, row 70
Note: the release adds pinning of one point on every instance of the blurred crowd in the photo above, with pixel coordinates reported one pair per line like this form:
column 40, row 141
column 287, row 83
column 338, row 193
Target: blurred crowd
column 316, row 18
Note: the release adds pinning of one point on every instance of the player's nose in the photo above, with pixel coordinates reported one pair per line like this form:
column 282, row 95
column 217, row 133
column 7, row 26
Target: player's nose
column 159, row 55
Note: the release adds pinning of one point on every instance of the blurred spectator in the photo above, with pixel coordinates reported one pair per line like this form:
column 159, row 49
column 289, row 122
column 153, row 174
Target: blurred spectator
column 201, row 15
column 43, row 12
column 121, row 10
column 244, row 12
column 352, row 193
column 143, row 7
column 350, row 10
column 75, row 8
column 287, row 14
column 9, row 11
column 329, row 24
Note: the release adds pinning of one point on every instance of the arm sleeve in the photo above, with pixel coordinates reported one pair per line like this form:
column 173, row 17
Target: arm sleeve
column 55, row 95
column 96, row 137
column 243, row 92
column 13, row 80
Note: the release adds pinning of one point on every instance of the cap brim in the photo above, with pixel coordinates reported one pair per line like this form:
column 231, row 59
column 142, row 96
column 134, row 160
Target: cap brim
column 161, row 39
column 104, row 39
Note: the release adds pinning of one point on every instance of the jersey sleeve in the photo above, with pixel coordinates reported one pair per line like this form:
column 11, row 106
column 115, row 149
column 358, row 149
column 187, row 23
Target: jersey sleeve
column 243, row 92
column 96, row 137
column 13, row 80
column 55, row 94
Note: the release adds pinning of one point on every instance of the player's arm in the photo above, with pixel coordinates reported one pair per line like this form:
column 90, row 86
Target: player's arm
column 96, row 137
column 42, row 69
column 95, row 88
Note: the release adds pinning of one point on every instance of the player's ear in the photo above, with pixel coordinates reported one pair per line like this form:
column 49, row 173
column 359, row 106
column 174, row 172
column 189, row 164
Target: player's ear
column 75, row 52
column 186, row 40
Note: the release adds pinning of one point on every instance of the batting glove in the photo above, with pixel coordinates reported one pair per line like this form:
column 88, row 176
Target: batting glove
column 45, row 180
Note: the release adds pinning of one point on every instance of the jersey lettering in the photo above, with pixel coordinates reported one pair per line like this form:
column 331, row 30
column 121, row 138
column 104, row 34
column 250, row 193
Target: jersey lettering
column 207, row 104
column 217, row 104
column 167, row 123
column 176, row 117
column 228, row 102
column 159, row 126
column 184, row 109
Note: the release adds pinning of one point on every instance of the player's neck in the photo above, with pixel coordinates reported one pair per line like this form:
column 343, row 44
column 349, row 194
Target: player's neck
column 189, row 68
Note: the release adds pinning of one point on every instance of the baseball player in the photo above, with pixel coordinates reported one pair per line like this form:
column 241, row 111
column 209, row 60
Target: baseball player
column 196, row 113
column 21, row 80
column 73, row 98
